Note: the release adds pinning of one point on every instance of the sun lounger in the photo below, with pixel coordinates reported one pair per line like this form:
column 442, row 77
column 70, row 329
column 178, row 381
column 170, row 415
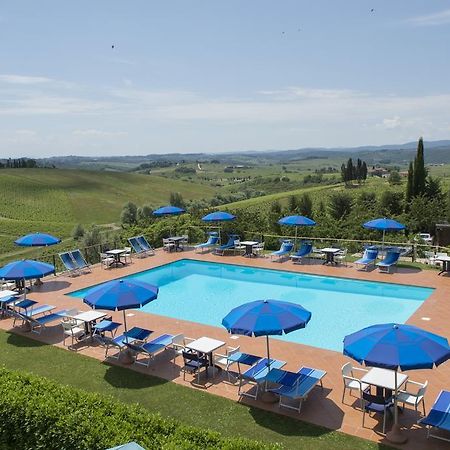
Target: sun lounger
column 120, row 342
column 210, row 243
column 285, row 249
column 69, row 263
column 151, row 348
column 137, row 248
column 37, row 324
column 389, row 261
column 303, row 252
column 228, row 246
column 79, row 260
column 145, row 245
column 256, row 375
column 368, row 259
column 439, row 416
column 294, row 386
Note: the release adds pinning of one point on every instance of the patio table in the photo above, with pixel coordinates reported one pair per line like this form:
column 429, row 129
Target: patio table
column 89, row 318
column 176, row 240
column 384, row 379
column 206, row 346
column 116, row 254
column 7, row 297
column 445, row 264
column 249, row 248
column 330, row 252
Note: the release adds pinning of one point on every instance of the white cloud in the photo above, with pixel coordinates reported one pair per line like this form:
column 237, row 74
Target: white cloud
column 23, row 79
column 391, row 123
column 93, row 133
column 145, row 120
column 439, row 18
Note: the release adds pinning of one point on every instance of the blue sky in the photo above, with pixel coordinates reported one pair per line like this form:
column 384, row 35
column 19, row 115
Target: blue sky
column 210, row 76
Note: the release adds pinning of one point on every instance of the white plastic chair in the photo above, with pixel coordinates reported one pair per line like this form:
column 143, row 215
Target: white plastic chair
column 341, row 257
column 413, row 399
column 106, row 260
column 127, row 255
column 222, row 361
column 238, row 248
column 259, row 249
column 179, row 343
column 168, row 245
column 351, row 382
column 73, row 329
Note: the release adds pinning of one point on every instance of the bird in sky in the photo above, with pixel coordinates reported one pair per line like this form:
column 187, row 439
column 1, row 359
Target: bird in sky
column 112, row 46
column 372, row 10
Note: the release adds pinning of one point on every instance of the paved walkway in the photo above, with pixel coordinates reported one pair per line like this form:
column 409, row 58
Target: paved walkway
column 322, row 407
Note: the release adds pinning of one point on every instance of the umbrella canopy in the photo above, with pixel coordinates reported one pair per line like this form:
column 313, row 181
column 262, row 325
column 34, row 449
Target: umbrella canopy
column 266, row 317
column 384, row 224
column 26, row 269
column 393, row 346
column 37, row 240
column 218, row 216
column 297, row 221
column 118, row 295
column 168, row 211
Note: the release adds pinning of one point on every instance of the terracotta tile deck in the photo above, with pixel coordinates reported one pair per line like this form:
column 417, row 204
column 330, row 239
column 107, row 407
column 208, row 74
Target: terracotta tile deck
column 323, row 407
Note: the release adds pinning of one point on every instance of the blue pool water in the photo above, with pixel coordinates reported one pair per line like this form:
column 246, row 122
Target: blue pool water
column 205, row 292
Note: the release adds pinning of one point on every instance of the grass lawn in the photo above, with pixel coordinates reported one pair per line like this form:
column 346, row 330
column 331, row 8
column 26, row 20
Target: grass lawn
column 192, row 407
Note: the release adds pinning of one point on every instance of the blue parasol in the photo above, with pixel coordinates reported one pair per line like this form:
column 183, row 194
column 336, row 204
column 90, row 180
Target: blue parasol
column 384, row 224
column 393, row 346
column 297, row 221
column 168, row 211
column 37, row 240
column 266, row 318
column 120, row 295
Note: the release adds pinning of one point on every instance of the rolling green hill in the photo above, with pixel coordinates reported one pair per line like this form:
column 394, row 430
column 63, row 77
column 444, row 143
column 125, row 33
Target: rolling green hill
column 317, row 194
column 53, row 200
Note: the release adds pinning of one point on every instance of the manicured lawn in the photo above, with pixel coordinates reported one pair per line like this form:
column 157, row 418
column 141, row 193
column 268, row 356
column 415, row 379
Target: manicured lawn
column 190, row 406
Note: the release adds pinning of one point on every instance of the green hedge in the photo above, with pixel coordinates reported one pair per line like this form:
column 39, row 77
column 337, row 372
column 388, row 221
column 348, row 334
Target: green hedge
column 36, row 413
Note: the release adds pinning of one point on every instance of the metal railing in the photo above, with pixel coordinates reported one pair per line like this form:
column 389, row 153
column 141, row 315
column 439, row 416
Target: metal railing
column 272, row 241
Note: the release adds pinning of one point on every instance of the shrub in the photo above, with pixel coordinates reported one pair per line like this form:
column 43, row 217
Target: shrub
column 40, row 414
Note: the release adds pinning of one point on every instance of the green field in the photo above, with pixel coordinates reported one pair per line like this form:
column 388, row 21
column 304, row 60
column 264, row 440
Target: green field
column 52, row 200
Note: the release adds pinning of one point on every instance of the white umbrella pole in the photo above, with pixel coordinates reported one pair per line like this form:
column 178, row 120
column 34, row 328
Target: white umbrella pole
column 295, row 240
column 395, row 401
column 384, row 233
column 268, row 351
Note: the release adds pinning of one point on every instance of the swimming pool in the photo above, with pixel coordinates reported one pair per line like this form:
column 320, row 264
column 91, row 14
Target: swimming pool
column 204, row 292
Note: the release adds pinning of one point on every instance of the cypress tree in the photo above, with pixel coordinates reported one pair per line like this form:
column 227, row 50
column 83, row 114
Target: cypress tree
column 410, row 184
column 359, row 170
column 420, row 173
column 343, row 173
column 350, row 170
column 364, row 170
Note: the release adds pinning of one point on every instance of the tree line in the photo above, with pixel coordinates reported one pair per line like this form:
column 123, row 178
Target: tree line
column 351, row 172
column 19, row 163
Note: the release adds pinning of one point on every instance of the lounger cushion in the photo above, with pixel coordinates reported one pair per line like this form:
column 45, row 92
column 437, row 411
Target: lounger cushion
column 439, row 415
